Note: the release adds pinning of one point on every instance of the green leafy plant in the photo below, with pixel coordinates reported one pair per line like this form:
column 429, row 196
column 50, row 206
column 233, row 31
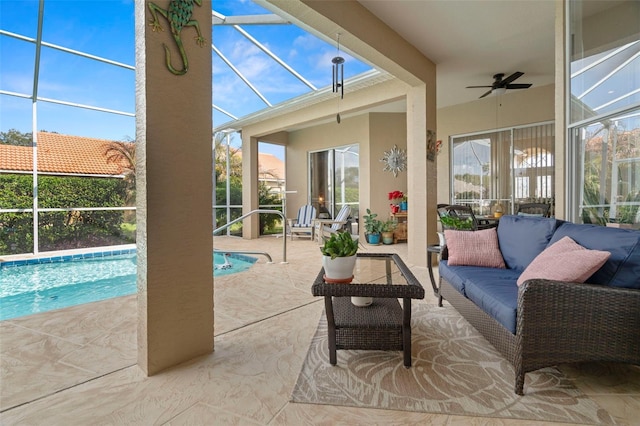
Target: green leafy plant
column 61, row 230
column 452, row 222
column 340, row 244
column 371, row 224
column 389, row 226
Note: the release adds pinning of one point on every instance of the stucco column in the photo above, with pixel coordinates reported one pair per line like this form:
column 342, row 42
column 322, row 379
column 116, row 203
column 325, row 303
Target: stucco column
column 251, row 225
column 174, row 190
column 421, row 174
column 562, row 66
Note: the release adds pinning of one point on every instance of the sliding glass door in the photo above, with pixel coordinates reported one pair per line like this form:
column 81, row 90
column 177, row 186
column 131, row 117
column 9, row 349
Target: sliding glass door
column 505, row 167
column 334, row 180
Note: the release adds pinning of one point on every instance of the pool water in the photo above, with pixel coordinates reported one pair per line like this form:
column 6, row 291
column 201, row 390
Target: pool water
column 31, row 288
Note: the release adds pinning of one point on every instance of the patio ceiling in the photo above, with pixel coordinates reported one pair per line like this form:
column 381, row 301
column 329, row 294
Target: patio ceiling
column 470, row 41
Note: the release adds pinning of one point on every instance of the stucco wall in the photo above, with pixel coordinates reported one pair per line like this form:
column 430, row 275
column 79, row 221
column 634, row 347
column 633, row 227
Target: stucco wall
column 375, row 133
column 386, row 130
column 316, row 138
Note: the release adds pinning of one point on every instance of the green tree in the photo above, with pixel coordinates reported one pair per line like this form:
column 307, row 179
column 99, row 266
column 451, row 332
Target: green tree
column 16, row 137
column 124, row 154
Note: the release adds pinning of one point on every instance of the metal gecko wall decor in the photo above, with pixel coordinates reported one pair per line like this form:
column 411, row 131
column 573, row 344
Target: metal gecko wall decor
column 178, row 14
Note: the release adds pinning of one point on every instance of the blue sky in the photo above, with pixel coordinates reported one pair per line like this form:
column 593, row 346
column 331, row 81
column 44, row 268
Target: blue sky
column 106, row 29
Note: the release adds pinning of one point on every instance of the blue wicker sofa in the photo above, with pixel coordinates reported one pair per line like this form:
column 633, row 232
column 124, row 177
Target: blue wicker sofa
column 542, row 323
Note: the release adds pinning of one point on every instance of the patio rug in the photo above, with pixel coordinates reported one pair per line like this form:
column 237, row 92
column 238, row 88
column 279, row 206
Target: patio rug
column 455, row 371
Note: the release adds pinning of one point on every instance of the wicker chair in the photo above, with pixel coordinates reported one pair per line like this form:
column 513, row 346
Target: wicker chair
column 464, row 213
column 534, row 209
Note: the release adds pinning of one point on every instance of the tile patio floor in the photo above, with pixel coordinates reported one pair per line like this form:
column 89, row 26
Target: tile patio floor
column 77, row 366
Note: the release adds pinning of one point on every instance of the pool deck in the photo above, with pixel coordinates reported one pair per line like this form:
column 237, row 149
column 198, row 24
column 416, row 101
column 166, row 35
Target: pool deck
column 77, row 366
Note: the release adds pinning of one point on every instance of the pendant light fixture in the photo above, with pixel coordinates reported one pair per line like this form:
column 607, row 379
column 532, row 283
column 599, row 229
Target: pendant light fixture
column 337, row 69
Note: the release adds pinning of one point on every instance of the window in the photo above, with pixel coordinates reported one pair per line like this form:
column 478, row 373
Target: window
column 604, row 133
column 505, row 167
column 609, row 152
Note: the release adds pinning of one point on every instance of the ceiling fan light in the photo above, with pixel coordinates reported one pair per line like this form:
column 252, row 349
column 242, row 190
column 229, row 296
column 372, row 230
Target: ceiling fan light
column 499, row 91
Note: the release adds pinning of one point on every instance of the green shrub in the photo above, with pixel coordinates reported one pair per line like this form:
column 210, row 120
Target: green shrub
column 65, row 229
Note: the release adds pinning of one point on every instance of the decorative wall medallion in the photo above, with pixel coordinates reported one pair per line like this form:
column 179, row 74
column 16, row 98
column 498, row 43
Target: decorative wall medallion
column 178, row 14
column 395, row 160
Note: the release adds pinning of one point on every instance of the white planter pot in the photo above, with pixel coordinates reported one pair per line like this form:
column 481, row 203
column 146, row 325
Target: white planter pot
column 361, row 301
column 340, row 268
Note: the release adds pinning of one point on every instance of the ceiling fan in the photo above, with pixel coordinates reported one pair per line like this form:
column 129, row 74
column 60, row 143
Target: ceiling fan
column 500, row 86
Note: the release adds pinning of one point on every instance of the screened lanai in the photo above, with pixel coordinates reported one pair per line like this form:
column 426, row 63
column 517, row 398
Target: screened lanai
column 68, row 107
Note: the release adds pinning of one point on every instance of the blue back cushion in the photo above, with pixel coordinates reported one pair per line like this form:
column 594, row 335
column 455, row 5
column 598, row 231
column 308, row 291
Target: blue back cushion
column 622, row 269
column 522, row 238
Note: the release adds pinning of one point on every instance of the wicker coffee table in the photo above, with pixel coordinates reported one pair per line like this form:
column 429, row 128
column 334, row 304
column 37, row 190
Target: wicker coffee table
column 383, row 325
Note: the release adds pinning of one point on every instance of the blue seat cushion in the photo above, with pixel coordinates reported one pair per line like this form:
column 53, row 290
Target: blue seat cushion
column 497, row 295
column 522, row 238
column 622, row 269
column 453, row 276
column 494, row 290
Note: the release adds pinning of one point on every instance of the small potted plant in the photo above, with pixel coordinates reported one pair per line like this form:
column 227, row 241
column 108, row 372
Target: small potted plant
column 372, row 227
column 396, row 198
column 404, row 203
column 339, row 257
column 387, row 231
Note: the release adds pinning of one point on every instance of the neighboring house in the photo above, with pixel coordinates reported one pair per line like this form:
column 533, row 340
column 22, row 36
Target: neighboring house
column 62, row 155
column 270, row 171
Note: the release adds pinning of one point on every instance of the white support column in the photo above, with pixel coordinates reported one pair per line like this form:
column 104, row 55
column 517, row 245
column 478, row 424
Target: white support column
column 251, row 225
column 421, row 174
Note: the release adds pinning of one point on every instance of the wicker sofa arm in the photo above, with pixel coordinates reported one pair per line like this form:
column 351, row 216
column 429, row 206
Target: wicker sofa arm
column 561, row 322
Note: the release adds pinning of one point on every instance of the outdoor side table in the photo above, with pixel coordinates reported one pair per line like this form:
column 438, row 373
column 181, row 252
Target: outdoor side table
column 383, row 325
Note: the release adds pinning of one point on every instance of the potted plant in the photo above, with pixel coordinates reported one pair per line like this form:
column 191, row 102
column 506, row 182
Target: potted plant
column 404, row 203
column 453, row 222
column 396, row 198
column 387, row 231
column 339, row 257
column 372, row 227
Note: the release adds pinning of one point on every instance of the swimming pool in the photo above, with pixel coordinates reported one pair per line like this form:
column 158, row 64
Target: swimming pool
column 40, row 285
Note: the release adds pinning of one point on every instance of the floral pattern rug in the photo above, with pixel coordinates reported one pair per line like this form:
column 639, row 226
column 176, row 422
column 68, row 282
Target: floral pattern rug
column 455, row 371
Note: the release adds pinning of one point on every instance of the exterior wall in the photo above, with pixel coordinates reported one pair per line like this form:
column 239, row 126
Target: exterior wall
column 533, row 105
column 375, row 133
column 349, row 131
column 386, row 130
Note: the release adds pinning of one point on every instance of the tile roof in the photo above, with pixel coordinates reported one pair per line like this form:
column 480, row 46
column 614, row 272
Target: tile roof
column 270, row 166
column 68, row 154
column 61, row 154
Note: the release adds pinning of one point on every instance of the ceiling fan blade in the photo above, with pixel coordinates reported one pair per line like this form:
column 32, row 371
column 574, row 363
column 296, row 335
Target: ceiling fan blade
column 511, row 78
column 476, row 87
column 518, row 86
column 486, row 94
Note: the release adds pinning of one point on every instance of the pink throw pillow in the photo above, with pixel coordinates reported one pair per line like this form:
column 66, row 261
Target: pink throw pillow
column 565, row 260
column 474, row 248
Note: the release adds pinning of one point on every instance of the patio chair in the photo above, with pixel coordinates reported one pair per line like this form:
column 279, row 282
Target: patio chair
column 534, row 209
column 464, row 213
column 331, row 226
column 303, row 223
